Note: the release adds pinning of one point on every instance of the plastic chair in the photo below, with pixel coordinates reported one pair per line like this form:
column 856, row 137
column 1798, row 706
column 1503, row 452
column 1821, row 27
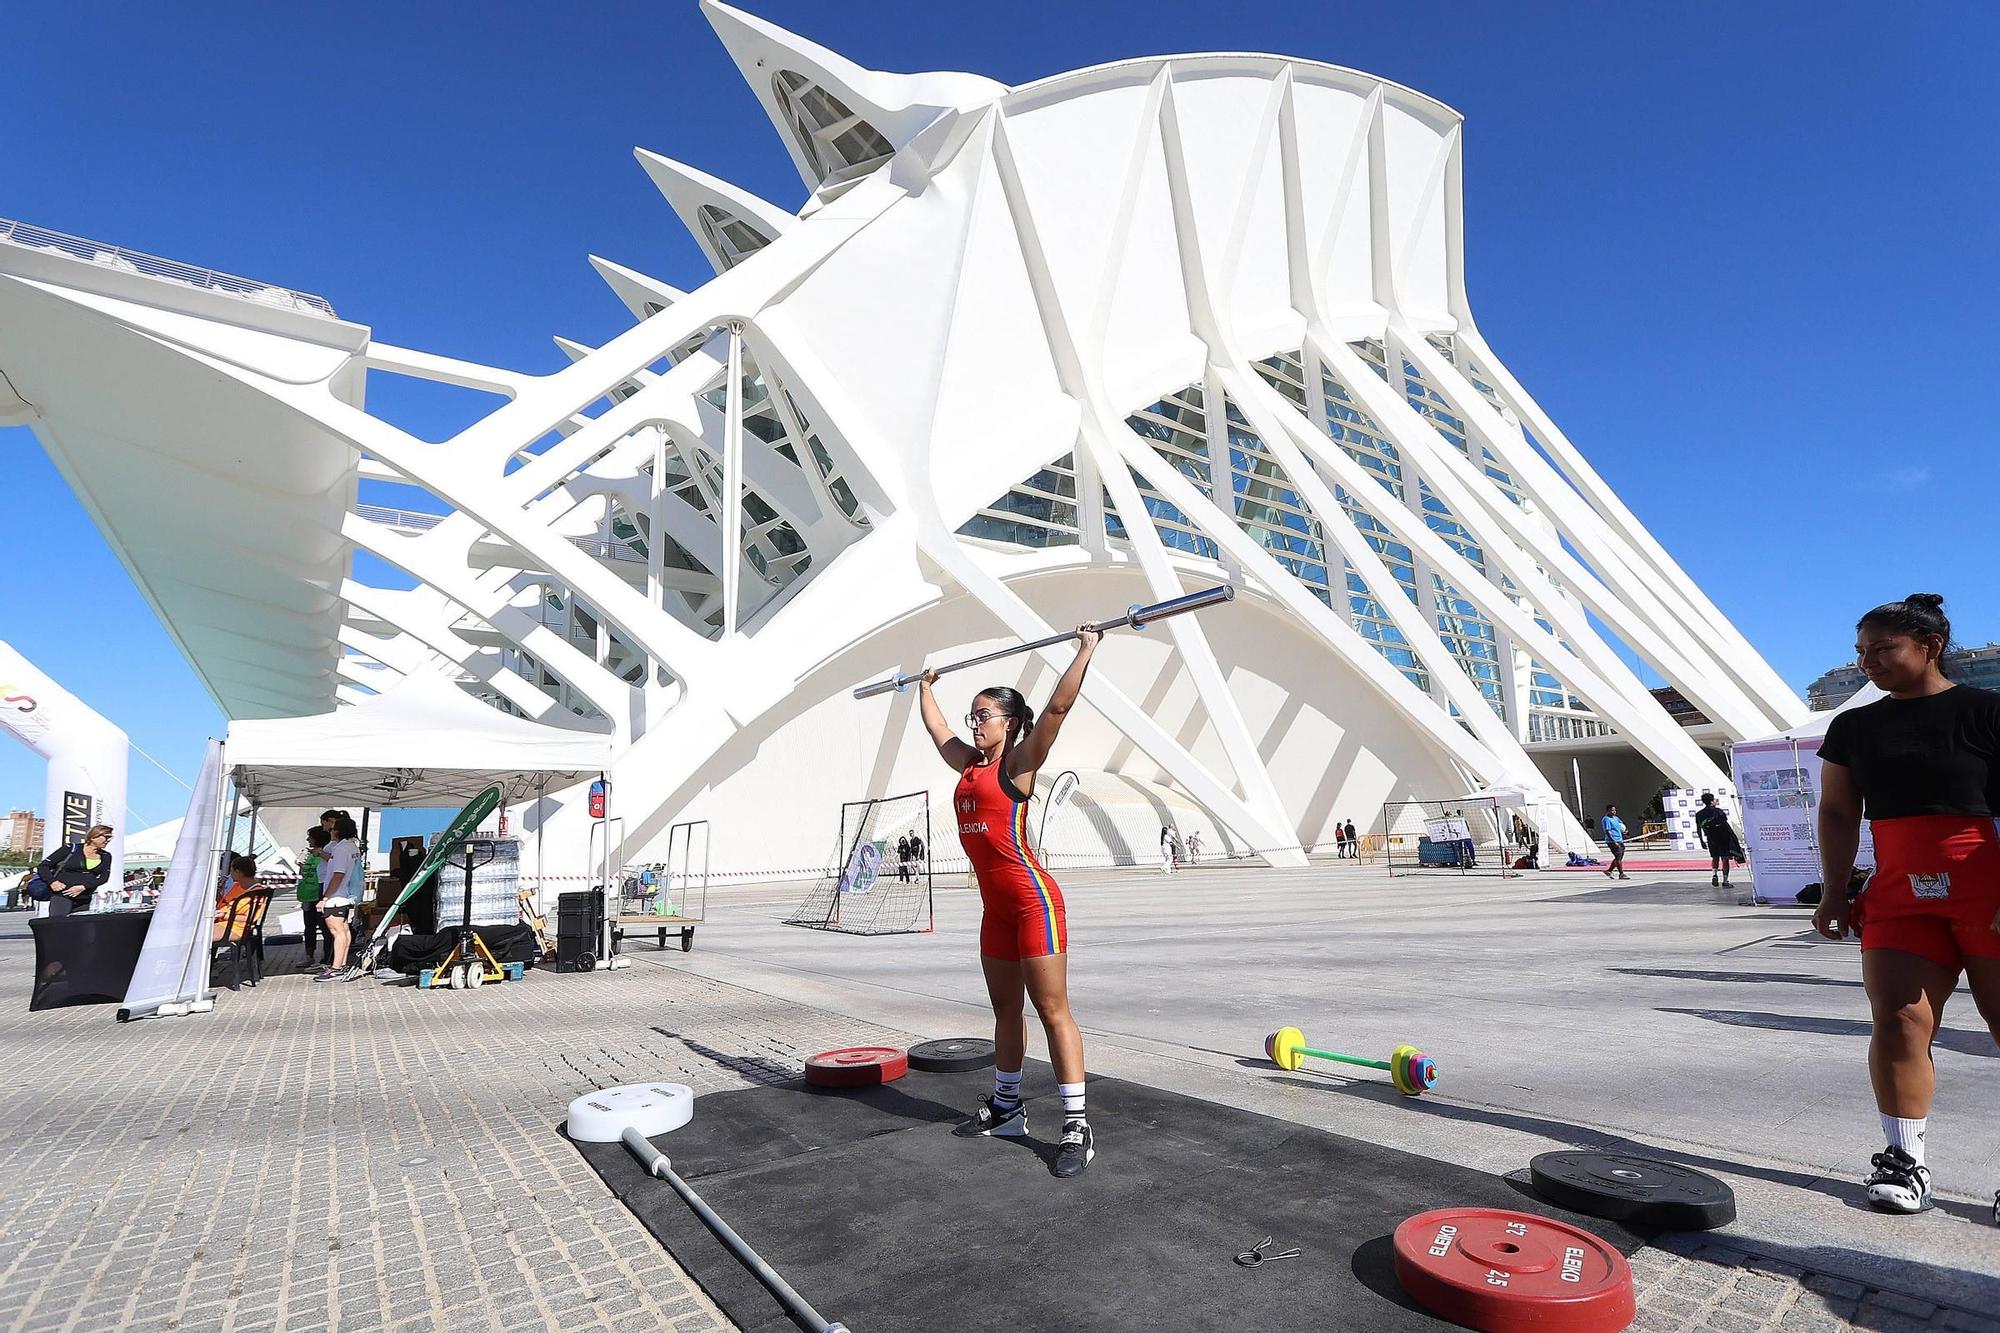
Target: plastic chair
column 241, row 938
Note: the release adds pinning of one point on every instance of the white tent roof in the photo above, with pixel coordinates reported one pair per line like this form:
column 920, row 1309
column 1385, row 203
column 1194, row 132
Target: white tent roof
column 424, row 743
column 1816, row 724
column 1506, row 797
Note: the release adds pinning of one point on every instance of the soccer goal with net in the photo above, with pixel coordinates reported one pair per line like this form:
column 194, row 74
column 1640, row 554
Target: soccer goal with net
column 1468, row 836
column 879, row 879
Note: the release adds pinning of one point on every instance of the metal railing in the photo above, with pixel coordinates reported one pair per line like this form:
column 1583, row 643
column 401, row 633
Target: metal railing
column 31, row 237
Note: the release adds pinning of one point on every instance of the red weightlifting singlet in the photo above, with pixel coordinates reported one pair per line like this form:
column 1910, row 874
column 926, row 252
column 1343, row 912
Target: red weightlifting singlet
column 1024, row 915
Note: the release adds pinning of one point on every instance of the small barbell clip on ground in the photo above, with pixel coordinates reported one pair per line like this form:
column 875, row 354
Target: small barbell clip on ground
column 1255, row 1255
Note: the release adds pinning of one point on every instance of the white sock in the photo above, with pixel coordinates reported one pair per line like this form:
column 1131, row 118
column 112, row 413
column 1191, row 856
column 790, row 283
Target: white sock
column 1072, row 1095
column 1006, row 1087
column 1906, row 1134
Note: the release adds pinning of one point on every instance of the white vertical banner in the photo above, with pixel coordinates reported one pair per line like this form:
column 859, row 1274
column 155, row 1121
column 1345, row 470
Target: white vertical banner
column 1777, row 784
column 172, row 975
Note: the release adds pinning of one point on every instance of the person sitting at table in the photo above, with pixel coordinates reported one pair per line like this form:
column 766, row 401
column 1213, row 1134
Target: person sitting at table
column 242, row 882
column 77, row 870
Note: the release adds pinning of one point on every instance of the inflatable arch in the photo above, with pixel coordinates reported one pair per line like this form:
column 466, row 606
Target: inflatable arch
column 87, row 756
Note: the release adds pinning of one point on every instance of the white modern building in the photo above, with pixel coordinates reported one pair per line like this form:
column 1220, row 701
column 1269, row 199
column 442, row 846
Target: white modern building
column 1021, row 357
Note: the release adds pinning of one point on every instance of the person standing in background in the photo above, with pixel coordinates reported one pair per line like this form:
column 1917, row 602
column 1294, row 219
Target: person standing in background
column 1166, row 850
column 1339, row 841
column 309, row 895
column 342, row 881
column 78, row 870
column 1712, row 828
column 1353, row 843
column 1614, row 838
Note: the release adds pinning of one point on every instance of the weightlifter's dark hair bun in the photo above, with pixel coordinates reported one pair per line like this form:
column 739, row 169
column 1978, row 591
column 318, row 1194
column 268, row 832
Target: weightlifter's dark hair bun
column 1920, row 615
column 1013, row 705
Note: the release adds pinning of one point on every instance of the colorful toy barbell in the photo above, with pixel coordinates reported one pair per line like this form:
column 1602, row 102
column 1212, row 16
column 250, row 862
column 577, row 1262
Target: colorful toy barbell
column 1413, row 1072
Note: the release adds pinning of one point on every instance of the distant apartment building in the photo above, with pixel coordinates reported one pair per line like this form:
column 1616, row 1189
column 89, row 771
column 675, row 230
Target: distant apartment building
column 21, row 833
column 1968, row 666
column 1679, row 708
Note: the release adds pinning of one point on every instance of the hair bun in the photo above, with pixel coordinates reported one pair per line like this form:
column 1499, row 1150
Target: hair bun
column 1932, row 600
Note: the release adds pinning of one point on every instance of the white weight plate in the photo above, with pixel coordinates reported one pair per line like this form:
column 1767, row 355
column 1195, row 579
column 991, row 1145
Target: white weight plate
column 651, row 1108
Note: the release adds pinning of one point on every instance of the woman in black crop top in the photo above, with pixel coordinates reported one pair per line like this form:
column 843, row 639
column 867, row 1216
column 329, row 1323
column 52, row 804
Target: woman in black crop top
column 1923, row 765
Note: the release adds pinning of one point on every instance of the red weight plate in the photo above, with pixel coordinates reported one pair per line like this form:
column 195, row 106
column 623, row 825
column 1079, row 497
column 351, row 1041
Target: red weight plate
column 857, row 1066
column 1502, row 1272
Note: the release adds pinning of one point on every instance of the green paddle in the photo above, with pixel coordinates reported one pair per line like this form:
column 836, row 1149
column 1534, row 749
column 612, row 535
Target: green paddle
column 462, row 826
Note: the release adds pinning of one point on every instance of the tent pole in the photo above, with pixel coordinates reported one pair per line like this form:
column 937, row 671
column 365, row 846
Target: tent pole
column 235, row 799
column 541, row 823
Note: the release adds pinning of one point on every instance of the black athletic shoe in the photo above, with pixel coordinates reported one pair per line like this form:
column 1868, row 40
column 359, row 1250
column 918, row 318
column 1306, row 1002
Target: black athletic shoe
column 1006, row 1122
column 1078, row 1147
column 1996, row 1209
column 1713, row 882
column 1899, row 1184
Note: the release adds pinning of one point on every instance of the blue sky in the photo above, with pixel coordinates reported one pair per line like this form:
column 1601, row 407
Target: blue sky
column 1736, row 250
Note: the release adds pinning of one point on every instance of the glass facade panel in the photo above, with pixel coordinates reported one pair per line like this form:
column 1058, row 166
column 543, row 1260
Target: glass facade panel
column 1039, row 512
column 838, row 143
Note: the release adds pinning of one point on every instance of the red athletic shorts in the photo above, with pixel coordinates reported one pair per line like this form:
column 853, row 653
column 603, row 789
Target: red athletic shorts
column 1024, row 925
column 1936, row 889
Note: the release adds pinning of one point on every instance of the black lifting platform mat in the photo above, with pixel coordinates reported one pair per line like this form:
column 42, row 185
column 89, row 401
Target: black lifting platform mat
column 868, row 1205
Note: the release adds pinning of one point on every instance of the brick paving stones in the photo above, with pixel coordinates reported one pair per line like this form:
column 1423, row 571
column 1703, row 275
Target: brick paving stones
column 359, row 1157
column 354, row 1156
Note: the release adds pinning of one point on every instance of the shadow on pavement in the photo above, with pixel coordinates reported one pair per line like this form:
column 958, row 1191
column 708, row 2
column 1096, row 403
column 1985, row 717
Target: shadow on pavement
column 1848, row 1192
column 1952, row 1039
column 1755, row 978
column 756, row 1068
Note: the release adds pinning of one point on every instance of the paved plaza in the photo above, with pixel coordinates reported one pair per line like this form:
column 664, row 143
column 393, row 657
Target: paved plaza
column 368, row 1157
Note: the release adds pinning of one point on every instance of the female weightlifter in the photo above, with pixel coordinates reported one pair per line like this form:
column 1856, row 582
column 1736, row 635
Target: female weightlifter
column 1023, row 934
column 1924, row 765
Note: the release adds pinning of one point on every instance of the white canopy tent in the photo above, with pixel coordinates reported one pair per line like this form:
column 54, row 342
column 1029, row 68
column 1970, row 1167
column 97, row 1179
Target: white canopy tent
column 1549, row 817
column 424, row 743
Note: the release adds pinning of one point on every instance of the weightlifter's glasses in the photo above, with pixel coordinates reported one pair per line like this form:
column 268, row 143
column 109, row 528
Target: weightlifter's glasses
column 976, row 717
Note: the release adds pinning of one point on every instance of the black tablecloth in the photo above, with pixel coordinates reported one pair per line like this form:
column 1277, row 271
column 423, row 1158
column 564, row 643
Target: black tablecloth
column 86, row 957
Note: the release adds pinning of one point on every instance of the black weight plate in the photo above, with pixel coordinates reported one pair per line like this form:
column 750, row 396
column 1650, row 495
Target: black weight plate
column 1645, row 1192
column 951, row 1055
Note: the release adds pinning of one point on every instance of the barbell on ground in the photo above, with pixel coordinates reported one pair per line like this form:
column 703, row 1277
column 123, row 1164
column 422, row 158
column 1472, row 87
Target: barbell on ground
column 1413, row 1072
column 639, row 1112
column 1135, row 617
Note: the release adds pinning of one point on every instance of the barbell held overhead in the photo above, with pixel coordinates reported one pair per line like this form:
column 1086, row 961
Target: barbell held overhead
column 1135, row 617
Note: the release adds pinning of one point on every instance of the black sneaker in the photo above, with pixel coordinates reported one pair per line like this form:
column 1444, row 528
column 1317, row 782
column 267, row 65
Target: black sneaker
column 1899, row 1184
column 1078, row 1147
column 1996, row 1209
column 1007, row 1122
column 1713, row 882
